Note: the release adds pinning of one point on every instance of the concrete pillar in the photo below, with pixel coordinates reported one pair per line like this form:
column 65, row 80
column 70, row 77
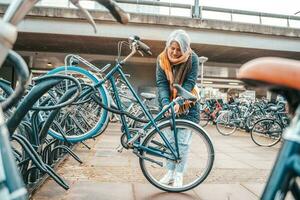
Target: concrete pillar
column 202, row 60
column 197, row 10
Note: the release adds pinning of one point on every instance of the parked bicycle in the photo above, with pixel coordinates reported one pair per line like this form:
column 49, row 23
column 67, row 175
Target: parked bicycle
column 268, row 131
column 29, row 161
column 283, row 80
column 155, row 143
column 209, row 112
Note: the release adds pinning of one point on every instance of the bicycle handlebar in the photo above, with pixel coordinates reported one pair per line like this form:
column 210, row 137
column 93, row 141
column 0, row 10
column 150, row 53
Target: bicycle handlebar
column 16, row 12
column 19, row 8
column 120, row 15
column 23, row 76
column 140, row 45
column 8, row 36
column 136, row 45
column 86, row 14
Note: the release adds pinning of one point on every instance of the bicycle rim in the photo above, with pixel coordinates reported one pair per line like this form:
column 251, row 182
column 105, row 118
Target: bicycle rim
column 200, row 158
column 224, row 125
column 266, row 132
column 80, row 121
column 204, row 118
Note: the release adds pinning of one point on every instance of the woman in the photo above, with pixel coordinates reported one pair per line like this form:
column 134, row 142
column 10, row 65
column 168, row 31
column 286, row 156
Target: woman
column 178, row 64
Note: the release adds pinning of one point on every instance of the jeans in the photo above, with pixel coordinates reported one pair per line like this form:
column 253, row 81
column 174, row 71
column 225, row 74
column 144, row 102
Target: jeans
column 184, row 137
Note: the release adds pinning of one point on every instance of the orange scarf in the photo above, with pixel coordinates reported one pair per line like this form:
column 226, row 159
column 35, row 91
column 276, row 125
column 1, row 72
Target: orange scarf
column 167, row 64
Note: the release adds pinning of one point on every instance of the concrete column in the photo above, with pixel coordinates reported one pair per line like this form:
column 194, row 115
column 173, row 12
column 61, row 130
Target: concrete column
column 202, row 60
column 196, row 11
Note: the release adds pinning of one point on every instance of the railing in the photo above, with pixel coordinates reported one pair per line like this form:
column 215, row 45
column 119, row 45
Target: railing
column 260, row 16
column 168, row 8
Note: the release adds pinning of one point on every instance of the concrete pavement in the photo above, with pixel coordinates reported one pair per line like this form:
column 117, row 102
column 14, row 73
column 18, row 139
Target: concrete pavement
column 240, row 171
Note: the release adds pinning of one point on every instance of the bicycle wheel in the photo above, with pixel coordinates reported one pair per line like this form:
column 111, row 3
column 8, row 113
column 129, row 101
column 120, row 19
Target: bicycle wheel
column 84, row 120
column 266, row 132
column 224, row 124
column 198, row 156
column 204, row 118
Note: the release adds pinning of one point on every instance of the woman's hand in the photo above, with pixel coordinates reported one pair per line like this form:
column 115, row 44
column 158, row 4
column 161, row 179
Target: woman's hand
column 176, row 109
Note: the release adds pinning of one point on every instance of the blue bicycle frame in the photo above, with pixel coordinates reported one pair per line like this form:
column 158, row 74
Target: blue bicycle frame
column 152, row 121
column 287, row 166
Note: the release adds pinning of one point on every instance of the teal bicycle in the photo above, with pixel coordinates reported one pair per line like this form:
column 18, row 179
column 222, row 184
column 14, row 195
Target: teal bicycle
column 284, row 80
column 158, row 142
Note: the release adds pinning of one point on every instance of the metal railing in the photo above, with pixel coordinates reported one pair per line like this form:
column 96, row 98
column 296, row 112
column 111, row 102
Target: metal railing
column 168, row 8
column 259, row 15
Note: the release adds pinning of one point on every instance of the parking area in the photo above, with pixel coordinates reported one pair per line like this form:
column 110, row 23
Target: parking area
column 240, row 170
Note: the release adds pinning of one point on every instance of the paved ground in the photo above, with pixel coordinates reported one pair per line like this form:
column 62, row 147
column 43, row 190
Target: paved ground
column 240, row 171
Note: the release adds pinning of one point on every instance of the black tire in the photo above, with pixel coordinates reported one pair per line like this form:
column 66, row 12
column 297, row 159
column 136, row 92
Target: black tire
column 204, row 118
column 224, row 124
column 199, row 161
column 266, row 132
column 87, row 119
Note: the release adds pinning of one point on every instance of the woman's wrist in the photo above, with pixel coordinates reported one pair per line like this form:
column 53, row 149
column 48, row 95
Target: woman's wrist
column 165, row 101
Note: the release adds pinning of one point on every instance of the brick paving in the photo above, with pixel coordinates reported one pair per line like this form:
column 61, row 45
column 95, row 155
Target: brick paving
column 240, row 171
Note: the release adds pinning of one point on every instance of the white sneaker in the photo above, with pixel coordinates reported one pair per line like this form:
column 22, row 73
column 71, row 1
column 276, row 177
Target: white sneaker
column 168, row 178
column 178, row 179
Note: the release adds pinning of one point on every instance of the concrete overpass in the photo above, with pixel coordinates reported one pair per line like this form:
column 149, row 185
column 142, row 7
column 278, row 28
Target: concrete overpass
column 48, row 34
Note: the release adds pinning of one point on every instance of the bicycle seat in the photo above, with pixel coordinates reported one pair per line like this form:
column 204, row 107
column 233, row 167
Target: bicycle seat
column 184, row 93
column 271, row 72
column 148, row 96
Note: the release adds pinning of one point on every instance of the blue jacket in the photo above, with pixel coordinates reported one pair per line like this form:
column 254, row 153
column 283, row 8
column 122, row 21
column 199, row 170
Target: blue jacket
column 189, row 82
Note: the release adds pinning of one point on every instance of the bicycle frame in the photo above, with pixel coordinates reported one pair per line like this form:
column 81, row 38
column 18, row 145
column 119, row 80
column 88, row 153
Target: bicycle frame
column 287, row 166
column 15, row 186
column 132, row 140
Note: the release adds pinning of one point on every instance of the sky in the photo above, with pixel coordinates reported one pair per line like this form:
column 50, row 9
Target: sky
column 287, row 7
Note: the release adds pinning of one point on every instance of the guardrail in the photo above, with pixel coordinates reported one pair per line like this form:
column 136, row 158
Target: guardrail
column 168, row 8
column 259, row 15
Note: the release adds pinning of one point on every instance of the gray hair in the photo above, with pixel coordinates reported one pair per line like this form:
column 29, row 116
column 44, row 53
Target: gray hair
column 181, row 37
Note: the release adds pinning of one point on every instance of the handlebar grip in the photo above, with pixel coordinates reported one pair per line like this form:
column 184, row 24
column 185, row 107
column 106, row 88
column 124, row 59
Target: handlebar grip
column 119, row 14
column 17, row 10
column 85, row 13
column 145, row 48
column 23, row 76
column 8, row 36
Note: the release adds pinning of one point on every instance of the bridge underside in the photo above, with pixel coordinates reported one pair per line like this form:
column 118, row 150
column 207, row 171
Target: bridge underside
column 40, row 42
column 45, row 41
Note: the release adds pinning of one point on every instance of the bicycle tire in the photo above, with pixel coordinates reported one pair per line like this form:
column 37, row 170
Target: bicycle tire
column 204, row 118
column 199, row 169
column 100, row 120
column 223, row 121
column 261, row 135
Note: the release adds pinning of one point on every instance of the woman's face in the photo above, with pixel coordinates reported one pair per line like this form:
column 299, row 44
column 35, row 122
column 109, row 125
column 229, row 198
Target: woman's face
column 174, row 50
